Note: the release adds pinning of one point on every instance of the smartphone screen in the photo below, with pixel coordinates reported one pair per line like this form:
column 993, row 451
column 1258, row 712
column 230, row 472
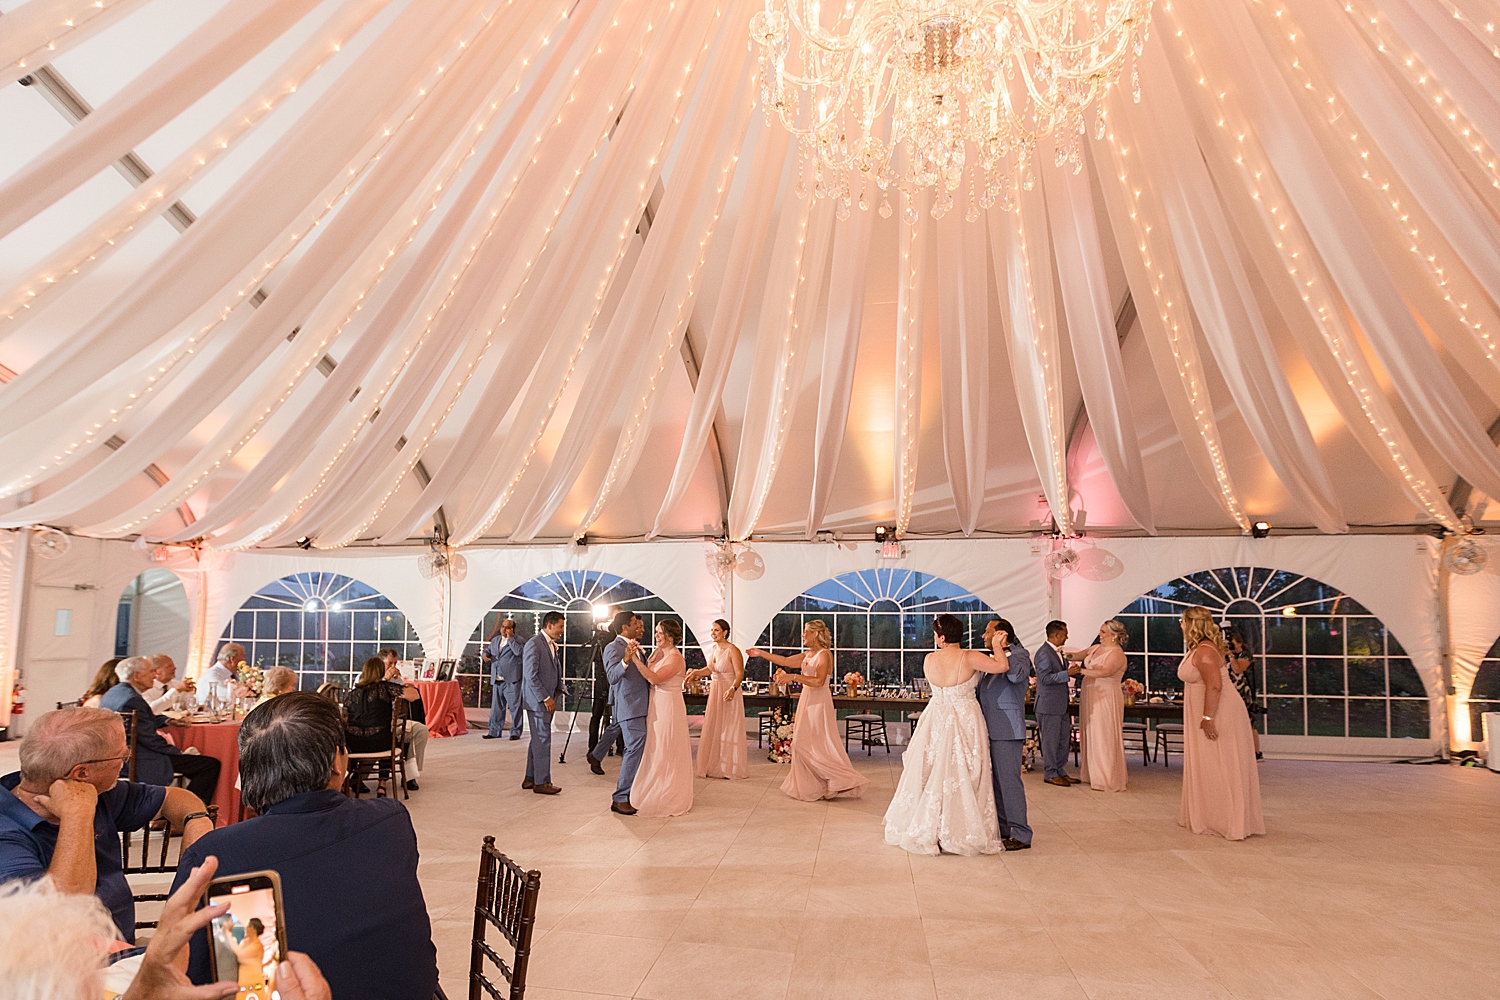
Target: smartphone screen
column 247, row 942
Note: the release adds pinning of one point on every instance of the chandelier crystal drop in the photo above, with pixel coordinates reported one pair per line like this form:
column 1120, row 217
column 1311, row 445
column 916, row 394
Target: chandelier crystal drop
column 971, row 87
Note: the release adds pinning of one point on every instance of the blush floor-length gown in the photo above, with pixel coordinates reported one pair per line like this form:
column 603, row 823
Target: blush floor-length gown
column 1220, row 785
column 664, row 784
column 945, row 801
column 721, row 744
column 820, row 765
column 1101, row 719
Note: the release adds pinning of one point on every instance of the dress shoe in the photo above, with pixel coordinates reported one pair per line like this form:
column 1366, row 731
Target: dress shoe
column 1012, row 844
column 548, row 789
column 1072, row 780
column 411, row 786
column 515, row 736
column 528, row 783
column 490, row 736
column 1060, row 782
column 594, row 765
column 623, row 808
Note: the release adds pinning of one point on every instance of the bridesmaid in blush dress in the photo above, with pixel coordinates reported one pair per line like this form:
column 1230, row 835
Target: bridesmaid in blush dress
column 820, row 767
column 664, row 784
column 1220, row 785
column 721, row 746
column 1101, row 710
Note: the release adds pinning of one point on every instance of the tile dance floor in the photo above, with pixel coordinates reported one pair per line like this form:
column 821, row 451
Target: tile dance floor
column 1376, row 881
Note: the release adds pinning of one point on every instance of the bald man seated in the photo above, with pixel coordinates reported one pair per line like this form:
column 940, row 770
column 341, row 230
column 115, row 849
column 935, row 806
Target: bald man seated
column 62, row 813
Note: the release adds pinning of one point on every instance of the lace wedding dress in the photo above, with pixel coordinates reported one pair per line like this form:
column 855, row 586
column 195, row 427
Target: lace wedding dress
column 945, row 801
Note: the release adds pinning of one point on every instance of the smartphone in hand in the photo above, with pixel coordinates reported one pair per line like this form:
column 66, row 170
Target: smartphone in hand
column 248, row 943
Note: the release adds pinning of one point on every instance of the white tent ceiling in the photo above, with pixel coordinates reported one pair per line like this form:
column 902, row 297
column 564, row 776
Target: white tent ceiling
column 548, row 273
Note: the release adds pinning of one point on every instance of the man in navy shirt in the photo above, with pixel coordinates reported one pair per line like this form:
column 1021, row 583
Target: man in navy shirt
column 62, row 813
column 348, row 867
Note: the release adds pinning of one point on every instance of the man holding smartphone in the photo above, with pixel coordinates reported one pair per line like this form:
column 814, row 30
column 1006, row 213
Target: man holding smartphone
column 62, row 813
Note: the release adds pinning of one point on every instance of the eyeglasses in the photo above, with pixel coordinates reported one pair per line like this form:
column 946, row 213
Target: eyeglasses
column 102, row 760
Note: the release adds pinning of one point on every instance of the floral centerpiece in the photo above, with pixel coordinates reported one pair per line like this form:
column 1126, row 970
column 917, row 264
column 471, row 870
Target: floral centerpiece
column 1133, row 689
column 853, row 681
column 781, row 738
column 252, row 677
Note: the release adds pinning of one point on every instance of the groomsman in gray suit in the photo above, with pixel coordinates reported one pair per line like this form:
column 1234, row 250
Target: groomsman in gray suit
column 629, row 697
column 542, row 694
column 1051, row 705
column 1002, row 699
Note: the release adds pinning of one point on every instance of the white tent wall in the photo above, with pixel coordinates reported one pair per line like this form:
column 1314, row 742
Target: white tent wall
column 1396, row 577
column 160, row 620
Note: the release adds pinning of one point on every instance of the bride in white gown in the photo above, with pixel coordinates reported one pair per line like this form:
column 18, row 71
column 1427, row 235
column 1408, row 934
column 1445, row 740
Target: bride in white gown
column 945, row 801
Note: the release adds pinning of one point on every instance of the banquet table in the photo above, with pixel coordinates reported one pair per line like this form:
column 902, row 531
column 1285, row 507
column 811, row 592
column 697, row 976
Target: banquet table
column 445, row 708
column 222, row 741
column 1145, row 711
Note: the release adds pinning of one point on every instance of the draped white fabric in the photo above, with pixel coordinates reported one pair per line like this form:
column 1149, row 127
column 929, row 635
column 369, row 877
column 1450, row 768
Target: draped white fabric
column 449, row 257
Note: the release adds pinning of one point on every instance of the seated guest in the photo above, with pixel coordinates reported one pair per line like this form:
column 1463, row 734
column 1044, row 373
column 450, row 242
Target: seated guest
column 368, row 709
column 62, row 813
column 278, row 681
column 157, row 761
column 348, row 866
column 166, row 691
column 416, row 711
column 217, row 681
column 55, row 947
column 103, row 681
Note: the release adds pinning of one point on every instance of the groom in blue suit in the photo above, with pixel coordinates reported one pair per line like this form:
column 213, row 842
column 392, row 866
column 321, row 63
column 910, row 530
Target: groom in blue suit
column 542, row 694
column 1002, row 699
column 1051, row 706
column 629, row 698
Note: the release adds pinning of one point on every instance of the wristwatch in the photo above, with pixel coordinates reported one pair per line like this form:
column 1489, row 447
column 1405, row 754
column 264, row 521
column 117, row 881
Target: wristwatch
column 200, row 814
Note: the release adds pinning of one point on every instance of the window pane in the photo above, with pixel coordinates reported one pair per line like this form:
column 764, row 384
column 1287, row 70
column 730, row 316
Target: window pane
column 1135, row 667
column 291, row 625
column 850, row 632
column 1367, row 677
column 885, row 631
column 1284, row 635
column 1163, row 671
column 1366, row 637
column 885, row 668
column 786, row 630
column 340, row 625
column 1367, row 717
column 1284, row 716
column 309, row 681
column 916, row 631
column 364, row 626
column 359, row 653
column 1283, row 675
column 1325, row 636
column 847, row 660
column 1404, row 680
column 913, row 660
column 1325, row 717
column 1409, row 718
column 265, row 625
column 1135, row 629
column 392, row 627
column 338, row 656
column 1325, row 676
column 1163, row 635
column 1487, row 681
column 1392, row 647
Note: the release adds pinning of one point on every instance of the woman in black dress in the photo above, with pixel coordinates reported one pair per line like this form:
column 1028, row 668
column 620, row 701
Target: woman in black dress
column 1242, row 674
column 367, row 709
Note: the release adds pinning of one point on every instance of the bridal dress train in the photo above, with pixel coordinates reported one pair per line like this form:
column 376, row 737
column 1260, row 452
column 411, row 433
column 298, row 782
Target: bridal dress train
column 664, row 784
column 945, row 801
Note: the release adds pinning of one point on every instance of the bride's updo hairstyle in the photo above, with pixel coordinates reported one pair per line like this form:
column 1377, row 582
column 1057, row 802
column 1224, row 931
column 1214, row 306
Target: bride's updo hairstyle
column 672, row 628
column 949, row 627
column 820, row 629
column 1198, row 626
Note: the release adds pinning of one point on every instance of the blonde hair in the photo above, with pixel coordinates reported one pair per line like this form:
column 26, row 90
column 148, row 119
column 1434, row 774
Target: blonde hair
column 1198, row 626
column 1117, row 629
column 820, row 629
column 52, row 945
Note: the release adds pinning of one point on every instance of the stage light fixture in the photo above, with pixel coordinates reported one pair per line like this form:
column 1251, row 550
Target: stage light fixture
column 882, row 534
column 304, row 542
column 1260, row 529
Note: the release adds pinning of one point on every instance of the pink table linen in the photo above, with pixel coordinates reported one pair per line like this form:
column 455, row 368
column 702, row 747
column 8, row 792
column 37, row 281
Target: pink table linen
column 220, row 740
column 445, row 708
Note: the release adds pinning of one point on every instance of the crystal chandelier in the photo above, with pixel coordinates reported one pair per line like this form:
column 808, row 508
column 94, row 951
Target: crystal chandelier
column 971, row 85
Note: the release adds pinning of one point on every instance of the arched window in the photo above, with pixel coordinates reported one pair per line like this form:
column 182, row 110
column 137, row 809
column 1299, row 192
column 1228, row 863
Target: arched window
column 1324, row 665
column 881, row 621
column 1485, row 696
column 322, row 625
column 576, row 593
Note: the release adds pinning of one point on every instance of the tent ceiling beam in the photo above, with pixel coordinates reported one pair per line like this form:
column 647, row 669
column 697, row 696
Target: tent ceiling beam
column 71, row 105
column 1461, row 490
column 154, row 473
column 691, row 364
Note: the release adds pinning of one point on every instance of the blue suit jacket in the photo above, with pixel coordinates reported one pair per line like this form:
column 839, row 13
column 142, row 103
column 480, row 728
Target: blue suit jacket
column 153, row 756
column 541, row 674
column 1002, row 697
column 1051, row 682
column 629, row 691
column 505, row 659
